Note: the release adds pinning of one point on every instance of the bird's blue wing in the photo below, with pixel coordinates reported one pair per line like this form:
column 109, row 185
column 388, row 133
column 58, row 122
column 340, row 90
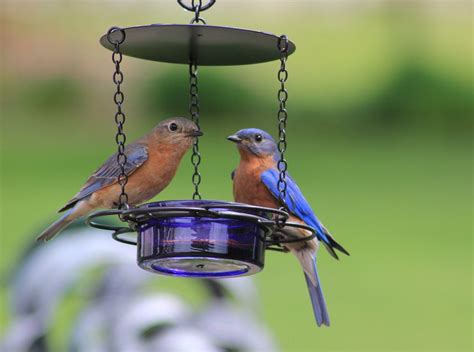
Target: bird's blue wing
column 296, row 202
column 108, row 173
column 299, row 206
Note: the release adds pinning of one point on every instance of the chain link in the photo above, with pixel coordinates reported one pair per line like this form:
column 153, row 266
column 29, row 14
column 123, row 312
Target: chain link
column 197, row 11
column 197, row 7
column 120, row 137
column 282, row 119
column 191, row 7
column 194, row 112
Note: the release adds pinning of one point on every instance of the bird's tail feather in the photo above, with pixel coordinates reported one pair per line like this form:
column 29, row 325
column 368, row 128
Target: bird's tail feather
column 57, row 226
column 308, row 261
column 334, row 244
column 330, row 243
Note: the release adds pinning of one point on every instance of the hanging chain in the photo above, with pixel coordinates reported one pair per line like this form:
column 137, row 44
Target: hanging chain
column 119, row 98
column 197, row 7
column 194, row 112
column 282, row 118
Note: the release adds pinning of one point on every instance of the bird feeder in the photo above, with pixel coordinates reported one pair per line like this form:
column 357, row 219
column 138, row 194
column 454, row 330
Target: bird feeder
column 197, row 237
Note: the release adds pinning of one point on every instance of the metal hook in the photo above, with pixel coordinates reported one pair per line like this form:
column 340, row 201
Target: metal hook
column 113, row 30
column 192, row 7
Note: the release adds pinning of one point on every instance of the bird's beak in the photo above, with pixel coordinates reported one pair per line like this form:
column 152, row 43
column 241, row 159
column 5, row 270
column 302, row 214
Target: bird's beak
column 234, row 138
column 196, row 133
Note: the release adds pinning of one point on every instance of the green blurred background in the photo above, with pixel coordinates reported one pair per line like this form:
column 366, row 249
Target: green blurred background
column 380, row 141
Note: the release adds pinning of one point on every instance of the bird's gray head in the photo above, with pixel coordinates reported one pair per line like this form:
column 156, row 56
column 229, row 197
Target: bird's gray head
column 255, row 141
column 177, row 130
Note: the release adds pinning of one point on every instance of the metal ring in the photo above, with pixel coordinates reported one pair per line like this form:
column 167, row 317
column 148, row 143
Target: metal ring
column 283, row 43
column 117, row 58
column 280, row 212
column 116, row 235
column 197, row 20
column 282, row 95
column 113, row 30
column 117, row 77
column 296, row 239
column 277, row 248
column 192, row 9
column 140, row 215
column 91, row 220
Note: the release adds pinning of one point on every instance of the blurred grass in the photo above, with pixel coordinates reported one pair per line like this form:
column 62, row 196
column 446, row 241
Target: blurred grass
column 380, row 141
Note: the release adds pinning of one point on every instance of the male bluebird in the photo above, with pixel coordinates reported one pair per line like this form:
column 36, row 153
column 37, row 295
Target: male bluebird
column 256, row 183
column 152, row 162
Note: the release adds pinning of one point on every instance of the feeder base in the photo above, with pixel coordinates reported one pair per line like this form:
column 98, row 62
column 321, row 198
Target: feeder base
column 201, row 238
column 201, row 267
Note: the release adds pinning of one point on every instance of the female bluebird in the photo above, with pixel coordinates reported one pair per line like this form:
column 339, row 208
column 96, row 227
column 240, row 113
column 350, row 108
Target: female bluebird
column 256, row 183
column 152, row 162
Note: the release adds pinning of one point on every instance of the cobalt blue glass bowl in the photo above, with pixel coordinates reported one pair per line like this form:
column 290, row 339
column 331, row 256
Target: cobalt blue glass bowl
column 200, row 245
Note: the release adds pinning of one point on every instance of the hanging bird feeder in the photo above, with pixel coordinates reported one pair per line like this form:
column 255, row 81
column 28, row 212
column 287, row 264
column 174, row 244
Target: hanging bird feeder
column 199, row 238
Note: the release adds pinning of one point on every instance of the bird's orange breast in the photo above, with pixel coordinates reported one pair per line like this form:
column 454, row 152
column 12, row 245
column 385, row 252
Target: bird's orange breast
column 248, row 187
column 148, row 180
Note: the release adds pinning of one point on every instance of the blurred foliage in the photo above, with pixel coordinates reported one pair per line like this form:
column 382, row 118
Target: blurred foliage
column 220, row 95
column 356, row 67
column 419, row 96
column 414, row 96
column 60, row 94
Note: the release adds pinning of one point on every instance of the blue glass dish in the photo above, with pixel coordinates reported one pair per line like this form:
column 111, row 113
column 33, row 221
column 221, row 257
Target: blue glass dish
column 202, row 246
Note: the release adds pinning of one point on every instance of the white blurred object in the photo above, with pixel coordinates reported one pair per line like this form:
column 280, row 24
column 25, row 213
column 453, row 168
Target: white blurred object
column 60, row 263
column 125, row 327
column 48, row 272
column 244, row 290
column 90, row 331
column 182, row 339
column 93, row 327
column 144, row 314
column 233, row 328
column 22, row 333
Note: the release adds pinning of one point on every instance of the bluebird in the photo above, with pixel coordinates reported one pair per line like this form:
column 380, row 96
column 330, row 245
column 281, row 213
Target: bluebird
column 151, row 164
column 256, row 183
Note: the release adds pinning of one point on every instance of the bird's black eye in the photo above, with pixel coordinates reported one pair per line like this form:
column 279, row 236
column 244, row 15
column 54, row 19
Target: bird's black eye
column 173, row 127
column 258, row 137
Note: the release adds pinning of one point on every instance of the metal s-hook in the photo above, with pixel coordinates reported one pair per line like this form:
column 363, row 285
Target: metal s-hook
column 197, row 7
column 197, row 18
column 193, row 6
